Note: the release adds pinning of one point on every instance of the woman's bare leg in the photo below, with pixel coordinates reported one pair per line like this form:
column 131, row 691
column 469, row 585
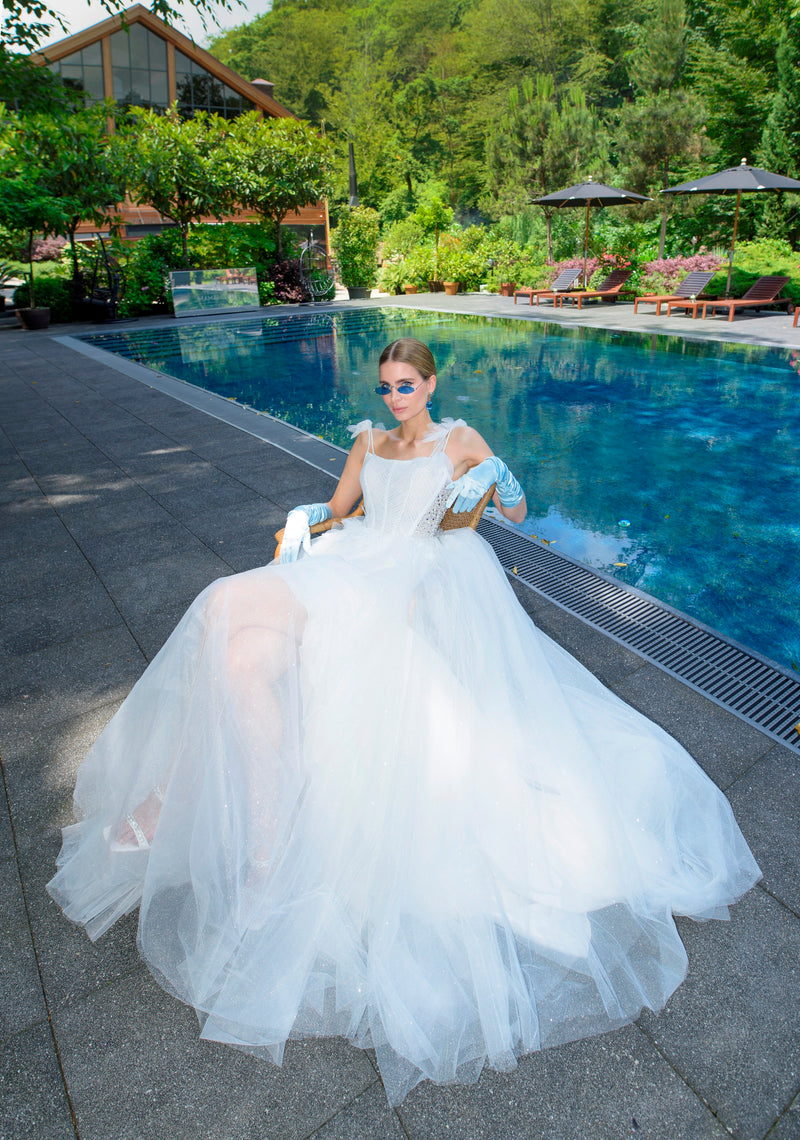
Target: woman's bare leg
column 264, row 627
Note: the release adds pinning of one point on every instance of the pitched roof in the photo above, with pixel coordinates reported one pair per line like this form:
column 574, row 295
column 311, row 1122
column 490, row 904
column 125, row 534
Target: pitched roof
column 137, row 14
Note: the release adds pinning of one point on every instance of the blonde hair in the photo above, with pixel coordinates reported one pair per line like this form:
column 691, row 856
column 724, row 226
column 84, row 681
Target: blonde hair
column 410, row 351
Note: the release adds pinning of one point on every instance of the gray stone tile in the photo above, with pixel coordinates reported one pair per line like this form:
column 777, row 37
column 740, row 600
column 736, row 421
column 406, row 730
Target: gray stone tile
column 33, row 570
column 603, row 1088
column 228, row 445
column 218, row 493
column 70, row 678
column 245, row 538
column 17, row 487
column 163, row 537
column 40, row 768
column 788, row 1126
column 71, row 965
column 161, row 583
column 151, row 628
column 132, row 507
column 732, row 1029
column 368, row 1117
column 43, row 619
column 33, row 1104
column 134, row 1061
column 766, row 801
column 722, row 744
column 7, row 849
column 21, row 998
column 280, row 477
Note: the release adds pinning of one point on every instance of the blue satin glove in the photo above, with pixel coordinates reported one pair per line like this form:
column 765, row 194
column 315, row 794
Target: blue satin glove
column 297, row 534
column 467, row 492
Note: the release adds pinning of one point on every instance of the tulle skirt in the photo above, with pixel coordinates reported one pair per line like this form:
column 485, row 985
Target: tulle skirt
column 389, row 808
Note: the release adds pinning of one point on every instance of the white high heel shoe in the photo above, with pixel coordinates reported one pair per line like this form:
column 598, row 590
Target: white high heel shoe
column 140, row 842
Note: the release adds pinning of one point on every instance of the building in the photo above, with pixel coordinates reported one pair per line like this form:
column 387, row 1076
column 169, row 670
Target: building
column 136, row 59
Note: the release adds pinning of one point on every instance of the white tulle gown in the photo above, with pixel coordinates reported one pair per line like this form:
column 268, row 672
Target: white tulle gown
column 394, row 810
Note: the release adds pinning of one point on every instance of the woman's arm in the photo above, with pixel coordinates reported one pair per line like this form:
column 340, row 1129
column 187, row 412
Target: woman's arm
column 467, row 448
column 348, row 489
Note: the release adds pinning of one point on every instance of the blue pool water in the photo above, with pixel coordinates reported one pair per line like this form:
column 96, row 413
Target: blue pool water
column 668, row 464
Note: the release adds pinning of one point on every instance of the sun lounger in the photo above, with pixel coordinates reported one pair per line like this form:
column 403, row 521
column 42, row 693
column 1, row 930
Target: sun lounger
column 608, row 289
column 691, row 286
column 764, row 292
column 565, row 280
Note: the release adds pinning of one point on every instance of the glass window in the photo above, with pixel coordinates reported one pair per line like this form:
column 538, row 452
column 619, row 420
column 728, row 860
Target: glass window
column 139, row 67
column 198, row 90
column 83, row 71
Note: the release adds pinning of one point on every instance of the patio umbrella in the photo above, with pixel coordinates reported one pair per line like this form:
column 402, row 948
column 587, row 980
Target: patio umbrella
column 738, row 180
column 589, row 194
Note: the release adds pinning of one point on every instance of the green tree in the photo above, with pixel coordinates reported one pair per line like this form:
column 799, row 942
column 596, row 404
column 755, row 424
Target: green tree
column 28, row 88
column 780, row 139
column 731, row 68
column 180, row 167
column 277, row 165
column 665, row 124
column 81, row 166
column 541, row 144
column 304, row 51
column 27, row 204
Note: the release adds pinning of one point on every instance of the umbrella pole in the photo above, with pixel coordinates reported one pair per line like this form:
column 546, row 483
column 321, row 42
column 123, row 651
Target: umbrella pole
column 586, row 248
column 733, row 243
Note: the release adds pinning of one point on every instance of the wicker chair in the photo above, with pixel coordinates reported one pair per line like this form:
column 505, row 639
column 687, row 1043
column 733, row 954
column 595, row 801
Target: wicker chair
column 451, row 521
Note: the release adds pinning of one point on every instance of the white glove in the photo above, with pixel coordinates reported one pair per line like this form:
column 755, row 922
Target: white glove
column 466, row 492
column 297, row 534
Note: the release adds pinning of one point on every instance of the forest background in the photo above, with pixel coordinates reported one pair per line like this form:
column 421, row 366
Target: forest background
column 461, row 113
column 498, row 101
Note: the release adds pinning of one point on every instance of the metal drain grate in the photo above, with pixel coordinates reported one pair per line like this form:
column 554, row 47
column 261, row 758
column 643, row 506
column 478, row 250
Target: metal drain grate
column 727, row 673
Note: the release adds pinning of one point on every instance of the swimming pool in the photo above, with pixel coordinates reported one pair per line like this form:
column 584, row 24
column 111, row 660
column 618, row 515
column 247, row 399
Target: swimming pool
column 668, row 464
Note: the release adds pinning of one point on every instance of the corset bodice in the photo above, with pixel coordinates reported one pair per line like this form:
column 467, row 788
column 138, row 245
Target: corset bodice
column 405, row 497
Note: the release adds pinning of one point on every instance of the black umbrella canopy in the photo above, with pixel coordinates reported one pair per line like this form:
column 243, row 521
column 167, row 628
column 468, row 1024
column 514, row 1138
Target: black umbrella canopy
column 741, row 179
column 738, row 180
column 589, row 194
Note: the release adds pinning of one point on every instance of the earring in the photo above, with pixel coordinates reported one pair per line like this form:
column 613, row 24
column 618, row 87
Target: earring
column 429, row 405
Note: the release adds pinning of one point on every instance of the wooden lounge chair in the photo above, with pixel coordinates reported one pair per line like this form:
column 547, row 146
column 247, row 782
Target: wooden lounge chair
column 451, row 520
column 691, row 286
column 565, row 280
column 796, row 315
column 608, row 289
column 764, row 292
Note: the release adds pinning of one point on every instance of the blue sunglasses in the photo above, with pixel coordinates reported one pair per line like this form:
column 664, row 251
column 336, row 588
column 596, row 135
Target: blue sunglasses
column 404, row 389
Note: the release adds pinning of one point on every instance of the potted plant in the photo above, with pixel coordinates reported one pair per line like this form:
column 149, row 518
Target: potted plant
column 392, row 278
column 417, row 268
column 355, row 243
column 25, row 206
column 452, row 264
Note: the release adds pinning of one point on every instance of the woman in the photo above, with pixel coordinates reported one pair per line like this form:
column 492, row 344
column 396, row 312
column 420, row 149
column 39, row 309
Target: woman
column 358, row 793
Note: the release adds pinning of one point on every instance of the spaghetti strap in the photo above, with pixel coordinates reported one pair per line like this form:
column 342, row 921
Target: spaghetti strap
column 439, row 434
column 364, row 425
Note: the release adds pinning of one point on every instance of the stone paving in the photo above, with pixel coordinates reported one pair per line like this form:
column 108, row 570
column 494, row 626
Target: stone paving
column 119, row 504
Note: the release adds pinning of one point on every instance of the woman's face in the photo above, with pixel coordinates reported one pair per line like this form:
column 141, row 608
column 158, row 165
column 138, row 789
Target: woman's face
column 405, row 405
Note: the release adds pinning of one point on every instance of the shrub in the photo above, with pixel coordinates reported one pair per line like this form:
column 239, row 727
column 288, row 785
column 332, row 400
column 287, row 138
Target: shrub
column 663, row 274
column 53, row 293
column 48, row 249
column 287, row 284
column 355, row 242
